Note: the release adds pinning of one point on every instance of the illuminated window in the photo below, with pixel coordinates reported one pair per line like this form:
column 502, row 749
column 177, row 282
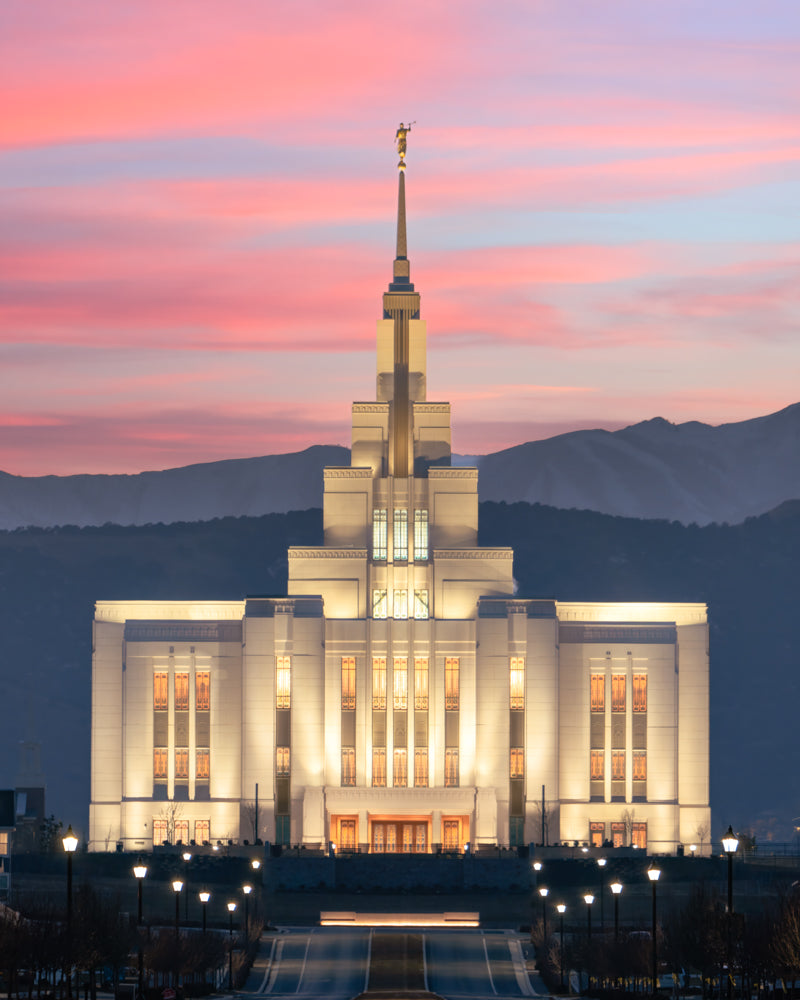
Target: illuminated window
column 160, row 690
column 160, row 832
column 380, row 604
column 400, row 604
column 617, row 765
column 400, row 538
column 640, row 765
column 378, row 683
column 421, row 535
column 400, row 683
column 421, row 683
column 282, row 761
column 639, row 836
column 451, row 767
column 284, row 682
column 618, row 692
column 597, row 833
column 517, row 683
column 348, row 683
column 160, row 763
column 348, row 766
column 640, row 692
column 421, row 767
column 517, row 763
column 181, row 692
column 379, row 767
column 203, row 760
column 451, row 665
column 202, row 831
column 400, row 769
column 181, row 763
column 347, row 835
column 181, row 831
column 597, row 767
column 379, row 534
column 618, row 834
column 4, row 842
column 202, row 690
column 421, row 606
column 598, row 692
column 451, row 840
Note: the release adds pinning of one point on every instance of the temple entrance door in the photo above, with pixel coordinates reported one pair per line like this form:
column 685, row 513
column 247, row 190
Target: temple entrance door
column 399, row 837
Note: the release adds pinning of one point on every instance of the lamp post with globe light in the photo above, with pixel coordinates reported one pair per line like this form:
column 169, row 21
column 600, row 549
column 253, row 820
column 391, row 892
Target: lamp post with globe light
column 654, row 873
column 187, row 857
column 543, row 891
column 616, row 889
column 70, row 842
column 140, row 873
column 231, row 911
column 562, row 909
column 730, row 844
column 177, row 885
column 601, row 864
column 247, row 889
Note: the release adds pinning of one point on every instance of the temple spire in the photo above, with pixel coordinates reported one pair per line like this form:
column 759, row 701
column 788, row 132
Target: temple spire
column 401, row 280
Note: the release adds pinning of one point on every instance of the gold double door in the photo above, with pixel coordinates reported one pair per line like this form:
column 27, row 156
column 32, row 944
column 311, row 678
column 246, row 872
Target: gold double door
column 399, row 837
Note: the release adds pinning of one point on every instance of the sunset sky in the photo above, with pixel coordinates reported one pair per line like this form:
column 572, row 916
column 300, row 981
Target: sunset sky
column 197, row 201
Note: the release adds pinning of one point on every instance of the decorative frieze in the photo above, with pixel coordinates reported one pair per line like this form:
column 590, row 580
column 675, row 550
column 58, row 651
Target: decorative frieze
column 326, row 553
column 618, row 633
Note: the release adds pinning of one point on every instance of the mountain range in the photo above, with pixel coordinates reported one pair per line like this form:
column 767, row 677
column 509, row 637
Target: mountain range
column 690, row 472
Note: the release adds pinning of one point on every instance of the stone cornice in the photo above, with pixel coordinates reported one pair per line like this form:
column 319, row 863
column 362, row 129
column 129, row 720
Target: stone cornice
column 484, row 553
column 400, row 799
column 120, row 611
column 324, row 553
column 370, row 407
column 452, row 472
column 426, row 407
column 347, row 472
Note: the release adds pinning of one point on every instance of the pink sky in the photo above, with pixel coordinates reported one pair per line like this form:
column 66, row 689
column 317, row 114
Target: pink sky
column 197, row 202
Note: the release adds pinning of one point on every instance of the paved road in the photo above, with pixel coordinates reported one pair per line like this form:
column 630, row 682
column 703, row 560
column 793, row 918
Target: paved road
column 333, row 962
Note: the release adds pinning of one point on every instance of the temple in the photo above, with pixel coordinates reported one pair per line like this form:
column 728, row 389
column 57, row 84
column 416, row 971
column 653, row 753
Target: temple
column 402, row 698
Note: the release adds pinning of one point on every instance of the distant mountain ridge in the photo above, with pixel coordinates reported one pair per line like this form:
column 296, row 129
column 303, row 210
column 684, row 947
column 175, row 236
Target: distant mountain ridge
column 690, row 472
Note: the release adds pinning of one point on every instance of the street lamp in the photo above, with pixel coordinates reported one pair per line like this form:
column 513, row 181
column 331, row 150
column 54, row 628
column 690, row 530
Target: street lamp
column 231, row 910
column 537, row 866
column 601, row 863
column 70, row 842
column 140, row 871
column 654, row 873
column 543, row 891
column 730, row 844
column 187, row 857
column 246, row 889
column 177, row 885
column 588, row 898
column 204, row 898
column 562, row 909
column 616, row 889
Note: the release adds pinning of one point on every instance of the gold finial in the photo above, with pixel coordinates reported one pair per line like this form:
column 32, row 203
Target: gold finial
column 400, row 139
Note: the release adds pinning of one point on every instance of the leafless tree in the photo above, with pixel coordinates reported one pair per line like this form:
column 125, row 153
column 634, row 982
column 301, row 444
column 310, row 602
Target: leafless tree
column 701, row 831
column 252, row 818
column 628, row 817
column 550, row 818
column 171, row 812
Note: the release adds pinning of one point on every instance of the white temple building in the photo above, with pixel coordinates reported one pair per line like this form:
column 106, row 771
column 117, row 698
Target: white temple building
column 402, row 696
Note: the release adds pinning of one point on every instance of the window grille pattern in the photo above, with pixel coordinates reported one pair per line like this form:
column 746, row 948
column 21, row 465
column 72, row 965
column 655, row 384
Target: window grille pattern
column 400, row 536
column 181, row 691
column 451, row 671
column 348, row 766
column 451, row 767
column 617, row 765
column 421, row 683
column 421, row 605
column 181, row 763
column 202, row 831
column 400, row 608
column 400, row 767
column 421, row 535
column 160, row 764
column 618, row 692
column 597, row 765
column 639, row 765
column 421, row 767
column 283, row 679
column 202, row 690
column 379, row 767
column 282, row 761
column 517, row 763
column 348, row 683
column 380, row 604
column 597, row 692
column 379, row 683
column 202, row 763
column 380, row 535
column 400, row 683
column 639, row 836
column 517, row 683
column 160, row 832
column 160, row 691
column 640, row 692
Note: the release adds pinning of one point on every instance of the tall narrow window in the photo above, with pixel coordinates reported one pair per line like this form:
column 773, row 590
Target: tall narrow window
column 160, row 832
column 421, row 535
column 400, row 538
column 380, row 533
column 202, row 763
column 597, row 765
column 379, row 767
column 451, row 666
column 378, row 683
column 181, row 831
column 639, row 836
column 618, row 692
column 348, row 683
column 202, row 690
column 348, row 766
column 451, row 767
column 617, row 765
column 421, row 767
column 517, row 679
column 400, row 683
column 400, row 769
column 160, row 690
column 421, row 683
column 598, row 693
column 421, row 604
column 640, row 692
column 160, row 763
column 283, row 682
column 202, row 831
column 380, row 604
column 181, row 691
column 400, row 609
column 282, row 761
column 640, row 765
column 516, row 767
column 181, row 762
